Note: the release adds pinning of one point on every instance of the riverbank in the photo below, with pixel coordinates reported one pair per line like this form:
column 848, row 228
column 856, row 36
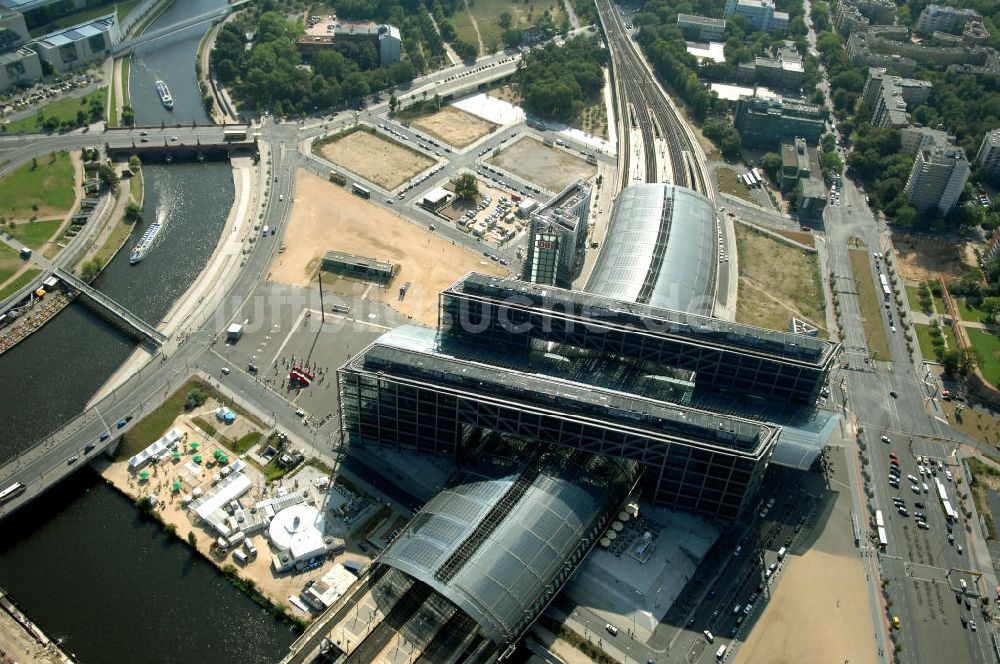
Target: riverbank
column 204, row 296
column 21, row 641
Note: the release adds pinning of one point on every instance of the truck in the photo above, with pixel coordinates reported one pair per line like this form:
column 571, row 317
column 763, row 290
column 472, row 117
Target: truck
column 338, row 178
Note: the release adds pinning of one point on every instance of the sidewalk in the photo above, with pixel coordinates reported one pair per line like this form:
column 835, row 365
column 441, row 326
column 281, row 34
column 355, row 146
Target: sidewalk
column 979, row 552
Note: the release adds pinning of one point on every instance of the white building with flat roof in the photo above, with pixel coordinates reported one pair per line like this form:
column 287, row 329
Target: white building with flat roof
column 938, row 177
column 77, row 45
column 759, row 13
column 989, row 153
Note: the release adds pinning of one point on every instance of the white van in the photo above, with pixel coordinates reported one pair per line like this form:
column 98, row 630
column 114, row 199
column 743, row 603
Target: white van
column 251, row 549
column 781, row 553
column 240, row 557
column 721, row 652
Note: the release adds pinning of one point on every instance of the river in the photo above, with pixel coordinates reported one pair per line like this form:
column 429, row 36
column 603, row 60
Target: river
column 81, row 560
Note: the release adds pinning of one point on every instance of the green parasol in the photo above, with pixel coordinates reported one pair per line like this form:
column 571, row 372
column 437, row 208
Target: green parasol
column 176, row 486
column 197, row 458
column 144, row 475
column 223, row 459
column 177, row 455
column 217, row 453
column 194, row 445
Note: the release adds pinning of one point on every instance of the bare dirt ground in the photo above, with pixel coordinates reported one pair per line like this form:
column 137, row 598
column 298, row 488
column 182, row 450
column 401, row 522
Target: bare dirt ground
column 454, row 126
column 553, row 168
column 922, row 258
column 375, row 158
column 16, row 645
column 819, row 613
column 326, row 217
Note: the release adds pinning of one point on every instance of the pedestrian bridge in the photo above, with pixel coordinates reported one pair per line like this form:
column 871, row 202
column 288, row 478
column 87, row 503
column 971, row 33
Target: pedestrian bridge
column 112, row 310
column 166, row 31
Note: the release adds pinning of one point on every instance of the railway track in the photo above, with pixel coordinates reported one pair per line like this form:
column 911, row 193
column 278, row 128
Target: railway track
column 648, row 111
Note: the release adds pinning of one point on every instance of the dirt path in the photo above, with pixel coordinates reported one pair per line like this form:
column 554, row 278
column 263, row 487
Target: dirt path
column 475, row 25
column 448, row 50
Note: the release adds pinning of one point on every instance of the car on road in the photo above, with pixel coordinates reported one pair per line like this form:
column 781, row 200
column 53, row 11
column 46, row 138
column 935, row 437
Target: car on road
column 73, row 459
column 915, row 489
column 612, row 630
column 972, row 625
column 88, row 447
column 144, row 140
column 886, row 439
column 103, row 437
column 122, row 422
column 902, row 510
column 225, row 371
column 892, row 393
column 709, row 636
column 951, row 538
column 919, row 505
column 144, row 133
column 923, row 525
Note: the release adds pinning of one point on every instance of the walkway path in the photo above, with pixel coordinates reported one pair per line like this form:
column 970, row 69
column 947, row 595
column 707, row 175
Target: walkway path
column 475, row 26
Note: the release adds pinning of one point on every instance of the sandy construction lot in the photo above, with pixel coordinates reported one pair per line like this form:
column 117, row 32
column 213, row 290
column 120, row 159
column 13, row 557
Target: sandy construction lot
column 327, row 217
column 552, row 168
column 454, row 126
column 819, row 613
column 377, row 159
column 922, row 258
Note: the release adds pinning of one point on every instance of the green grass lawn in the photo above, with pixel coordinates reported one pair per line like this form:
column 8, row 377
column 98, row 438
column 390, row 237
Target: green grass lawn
column 939, row 305
column 10, row 262
column 35, row 233
column 987, row 348
column 913, row 295
column 49, row 186
column 126, row 67
column 924, row 337
column 968, row 312
column 487, row 14
column 871, row 304
column 64, row 110
column 15, row 285
column 729, row 183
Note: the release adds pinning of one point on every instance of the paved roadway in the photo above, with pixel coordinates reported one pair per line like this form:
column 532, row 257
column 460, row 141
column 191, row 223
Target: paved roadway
column 48, row 462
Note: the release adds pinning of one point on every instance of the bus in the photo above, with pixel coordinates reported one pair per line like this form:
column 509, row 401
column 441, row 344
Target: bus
column 886, row 291
column 883, row 539
column 358, row 190
column 235, row 134
column 756, row 174
column 11, row 492
column 879, row 519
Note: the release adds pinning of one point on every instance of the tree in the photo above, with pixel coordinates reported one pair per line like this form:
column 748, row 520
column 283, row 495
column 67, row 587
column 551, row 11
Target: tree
column 107, row 175
column 133, row 213
column 466, row 187
column 134, row 163
column 89, row 270
column 771, row 163
column 194, row 399
column 393, row 103
column 128, row 116
column 192, row 540
column 505, row 21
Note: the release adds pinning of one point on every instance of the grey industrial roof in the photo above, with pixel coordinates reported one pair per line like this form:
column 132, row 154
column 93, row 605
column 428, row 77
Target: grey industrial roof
column 501, row 575
column 603, row 310
column 660, row 249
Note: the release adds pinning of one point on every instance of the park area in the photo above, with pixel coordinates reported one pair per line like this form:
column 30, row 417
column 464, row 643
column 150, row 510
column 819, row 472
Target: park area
column 454, row 126
column 482, row 19
column 934, row 340
column 326, row 217
column 551, row 168
column 777, row 281
column 375, row 158
column 43, row 188
column 987, row 349
column 62, row 114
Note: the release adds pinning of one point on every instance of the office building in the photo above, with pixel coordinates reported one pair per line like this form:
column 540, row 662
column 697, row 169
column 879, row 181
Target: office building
column 558, row 236
column 80, row 44
column 938, row 18
column 758, row 13
column 766, row 122
column 13, row 31
column 384, row 37
column 989, row 154
column 785, row 71
column 890, row 98
column 21, row 66
column 937, row 178
column 701, row 28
